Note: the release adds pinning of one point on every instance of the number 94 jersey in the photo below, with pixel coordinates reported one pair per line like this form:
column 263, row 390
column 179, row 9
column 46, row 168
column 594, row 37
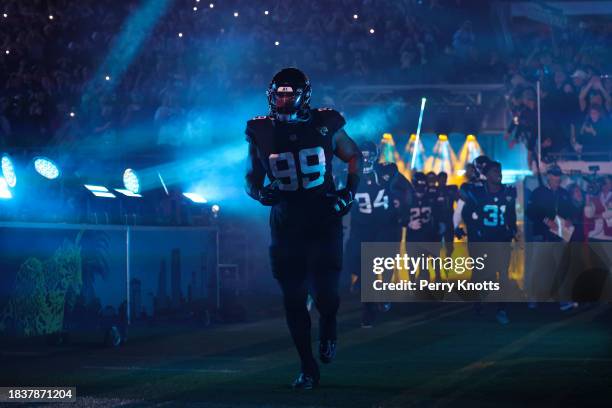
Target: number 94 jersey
column 297, row 156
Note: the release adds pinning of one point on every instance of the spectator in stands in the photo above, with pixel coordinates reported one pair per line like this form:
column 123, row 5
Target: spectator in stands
column 598, row 212
column 464, row 40
column 595, row 94
column 595, row 132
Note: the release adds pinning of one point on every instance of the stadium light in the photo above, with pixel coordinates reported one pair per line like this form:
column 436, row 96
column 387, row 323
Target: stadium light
column 8, row 171
column 127, row 193
column 371, row 31
column 72, row 114
column 50, row 16
column 355, row 16
column 266, row 12
column 196, row 198
column 195, row 8
column 5, row 193
column 107, row 78
column 211, row 5
column 180, row 35
column 276, row 43
column 131, row 181
column 46, row 168
column 99, row 191
column 236, row 14
column 7, row 52
column 5, row 15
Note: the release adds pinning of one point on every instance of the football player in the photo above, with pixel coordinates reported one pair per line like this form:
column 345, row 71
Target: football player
column 293, row 146
column 447, row 194
column 475, row 179
column 373, row 218
column 492, row 209
column 422, row 217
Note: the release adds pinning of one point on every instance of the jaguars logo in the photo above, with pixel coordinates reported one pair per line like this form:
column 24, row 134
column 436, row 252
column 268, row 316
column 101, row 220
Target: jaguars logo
column 323, row 130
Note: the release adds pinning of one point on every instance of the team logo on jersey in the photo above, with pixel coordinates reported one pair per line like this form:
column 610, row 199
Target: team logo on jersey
column 323, row 130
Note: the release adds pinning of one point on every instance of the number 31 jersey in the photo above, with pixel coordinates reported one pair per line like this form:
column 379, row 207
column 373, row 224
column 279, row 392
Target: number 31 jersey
column 493, row 214
column 297, row 156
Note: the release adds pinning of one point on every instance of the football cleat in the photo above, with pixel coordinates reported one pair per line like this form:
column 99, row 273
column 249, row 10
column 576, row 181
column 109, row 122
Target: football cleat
column 327, row 351
column 305, row 382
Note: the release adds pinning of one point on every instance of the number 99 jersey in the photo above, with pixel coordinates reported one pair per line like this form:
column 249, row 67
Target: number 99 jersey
column 297, row 156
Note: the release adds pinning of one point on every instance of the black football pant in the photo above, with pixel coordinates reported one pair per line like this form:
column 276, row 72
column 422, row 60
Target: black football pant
column 307, row 254
column 497, row 260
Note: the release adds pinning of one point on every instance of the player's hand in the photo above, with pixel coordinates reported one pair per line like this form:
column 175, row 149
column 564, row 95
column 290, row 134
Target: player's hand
column 459, row 233
column 343, row 199
column 269, row 195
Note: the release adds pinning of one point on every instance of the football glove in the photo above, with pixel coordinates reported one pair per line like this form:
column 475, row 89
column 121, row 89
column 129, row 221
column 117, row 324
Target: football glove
column 269, row 195
column 343, row 199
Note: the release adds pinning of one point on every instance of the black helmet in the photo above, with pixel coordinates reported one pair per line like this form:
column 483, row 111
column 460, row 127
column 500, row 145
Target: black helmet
column 369, row 152
column 289, row 92
column 419, row 180
column 479, row 163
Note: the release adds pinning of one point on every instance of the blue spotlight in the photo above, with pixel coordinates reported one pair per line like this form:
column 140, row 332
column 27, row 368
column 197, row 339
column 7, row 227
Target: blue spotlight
column 8, row 171
column 131, row 181
column 196, row 198
column 5, row 193
column 46, row 168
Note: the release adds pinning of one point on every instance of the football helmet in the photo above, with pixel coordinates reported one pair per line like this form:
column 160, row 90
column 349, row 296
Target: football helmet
column 479, row 163
column 419, row 180
column 289, row 94
column 369, row 152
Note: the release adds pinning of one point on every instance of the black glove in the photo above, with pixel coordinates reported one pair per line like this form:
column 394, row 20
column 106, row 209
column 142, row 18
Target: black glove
column 341, row 204
column 269, row 195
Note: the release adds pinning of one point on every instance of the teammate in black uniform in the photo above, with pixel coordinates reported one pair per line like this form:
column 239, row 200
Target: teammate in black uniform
column 447, row 194
column 475, row 178
column 374, row 217
column 293, row 146
column 492, row 209
column 422, row 216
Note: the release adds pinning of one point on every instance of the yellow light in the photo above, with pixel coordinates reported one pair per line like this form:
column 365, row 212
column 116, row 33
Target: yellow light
column 413, row 137
column 443, row 138
column 470, row 138
column 387, row 136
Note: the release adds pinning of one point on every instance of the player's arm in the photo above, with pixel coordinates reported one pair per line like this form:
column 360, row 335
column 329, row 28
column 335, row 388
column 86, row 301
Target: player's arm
column 255, row 174
column 255, row 177
column 348, row 151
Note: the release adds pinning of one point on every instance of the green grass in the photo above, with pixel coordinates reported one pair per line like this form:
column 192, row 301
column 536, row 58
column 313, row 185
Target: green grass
column 418, row 355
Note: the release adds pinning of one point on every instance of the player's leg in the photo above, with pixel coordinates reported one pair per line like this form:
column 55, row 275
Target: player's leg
column 288, row 256
column 502, row 264
column 327, row 266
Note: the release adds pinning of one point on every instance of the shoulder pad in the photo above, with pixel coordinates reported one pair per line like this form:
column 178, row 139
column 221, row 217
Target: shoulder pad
column 329, row 118
column 257, row 126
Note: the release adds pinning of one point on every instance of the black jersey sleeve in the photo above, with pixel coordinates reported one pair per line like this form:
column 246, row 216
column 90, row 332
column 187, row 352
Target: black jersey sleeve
column 331, row 119
column 257, row 127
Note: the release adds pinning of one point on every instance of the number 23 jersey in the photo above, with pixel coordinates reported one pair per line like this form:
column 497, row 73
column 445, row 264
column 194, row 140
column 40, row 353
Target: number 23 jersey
column 297, row 156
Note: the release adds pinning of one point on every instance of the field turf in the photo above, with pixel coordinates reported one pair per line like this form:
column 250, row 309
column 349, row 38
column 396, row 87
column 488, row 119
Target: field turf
column 417, row 355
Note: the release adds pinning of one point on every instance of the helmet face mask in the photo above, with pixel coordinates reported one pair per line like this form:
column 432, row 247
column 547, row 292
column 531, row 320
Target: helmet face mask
column 369, row 152
column 289, row 94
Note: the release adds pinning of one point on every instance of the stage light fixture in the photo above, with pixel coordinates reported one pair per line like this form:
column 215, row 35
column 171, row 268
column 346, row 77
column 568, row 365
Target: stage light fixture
column 8, row 171
column 5, row 193
column 371, row 31
column 196, row 198
column 46, row 168
column 99, row 191
column 236, row 14
column 131, row 181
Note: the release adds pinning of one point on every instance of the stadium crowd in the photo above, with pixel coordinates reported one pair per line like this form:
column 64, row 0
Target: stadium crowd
column 572, row 67
column 57, row 54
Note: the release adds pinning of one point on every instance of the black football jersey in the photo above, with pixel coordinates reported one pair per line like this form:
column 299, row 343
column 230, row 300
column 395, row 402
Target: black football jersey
column 297, row 156
column 421, row 216
column 373, row 207
column 492, row 215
